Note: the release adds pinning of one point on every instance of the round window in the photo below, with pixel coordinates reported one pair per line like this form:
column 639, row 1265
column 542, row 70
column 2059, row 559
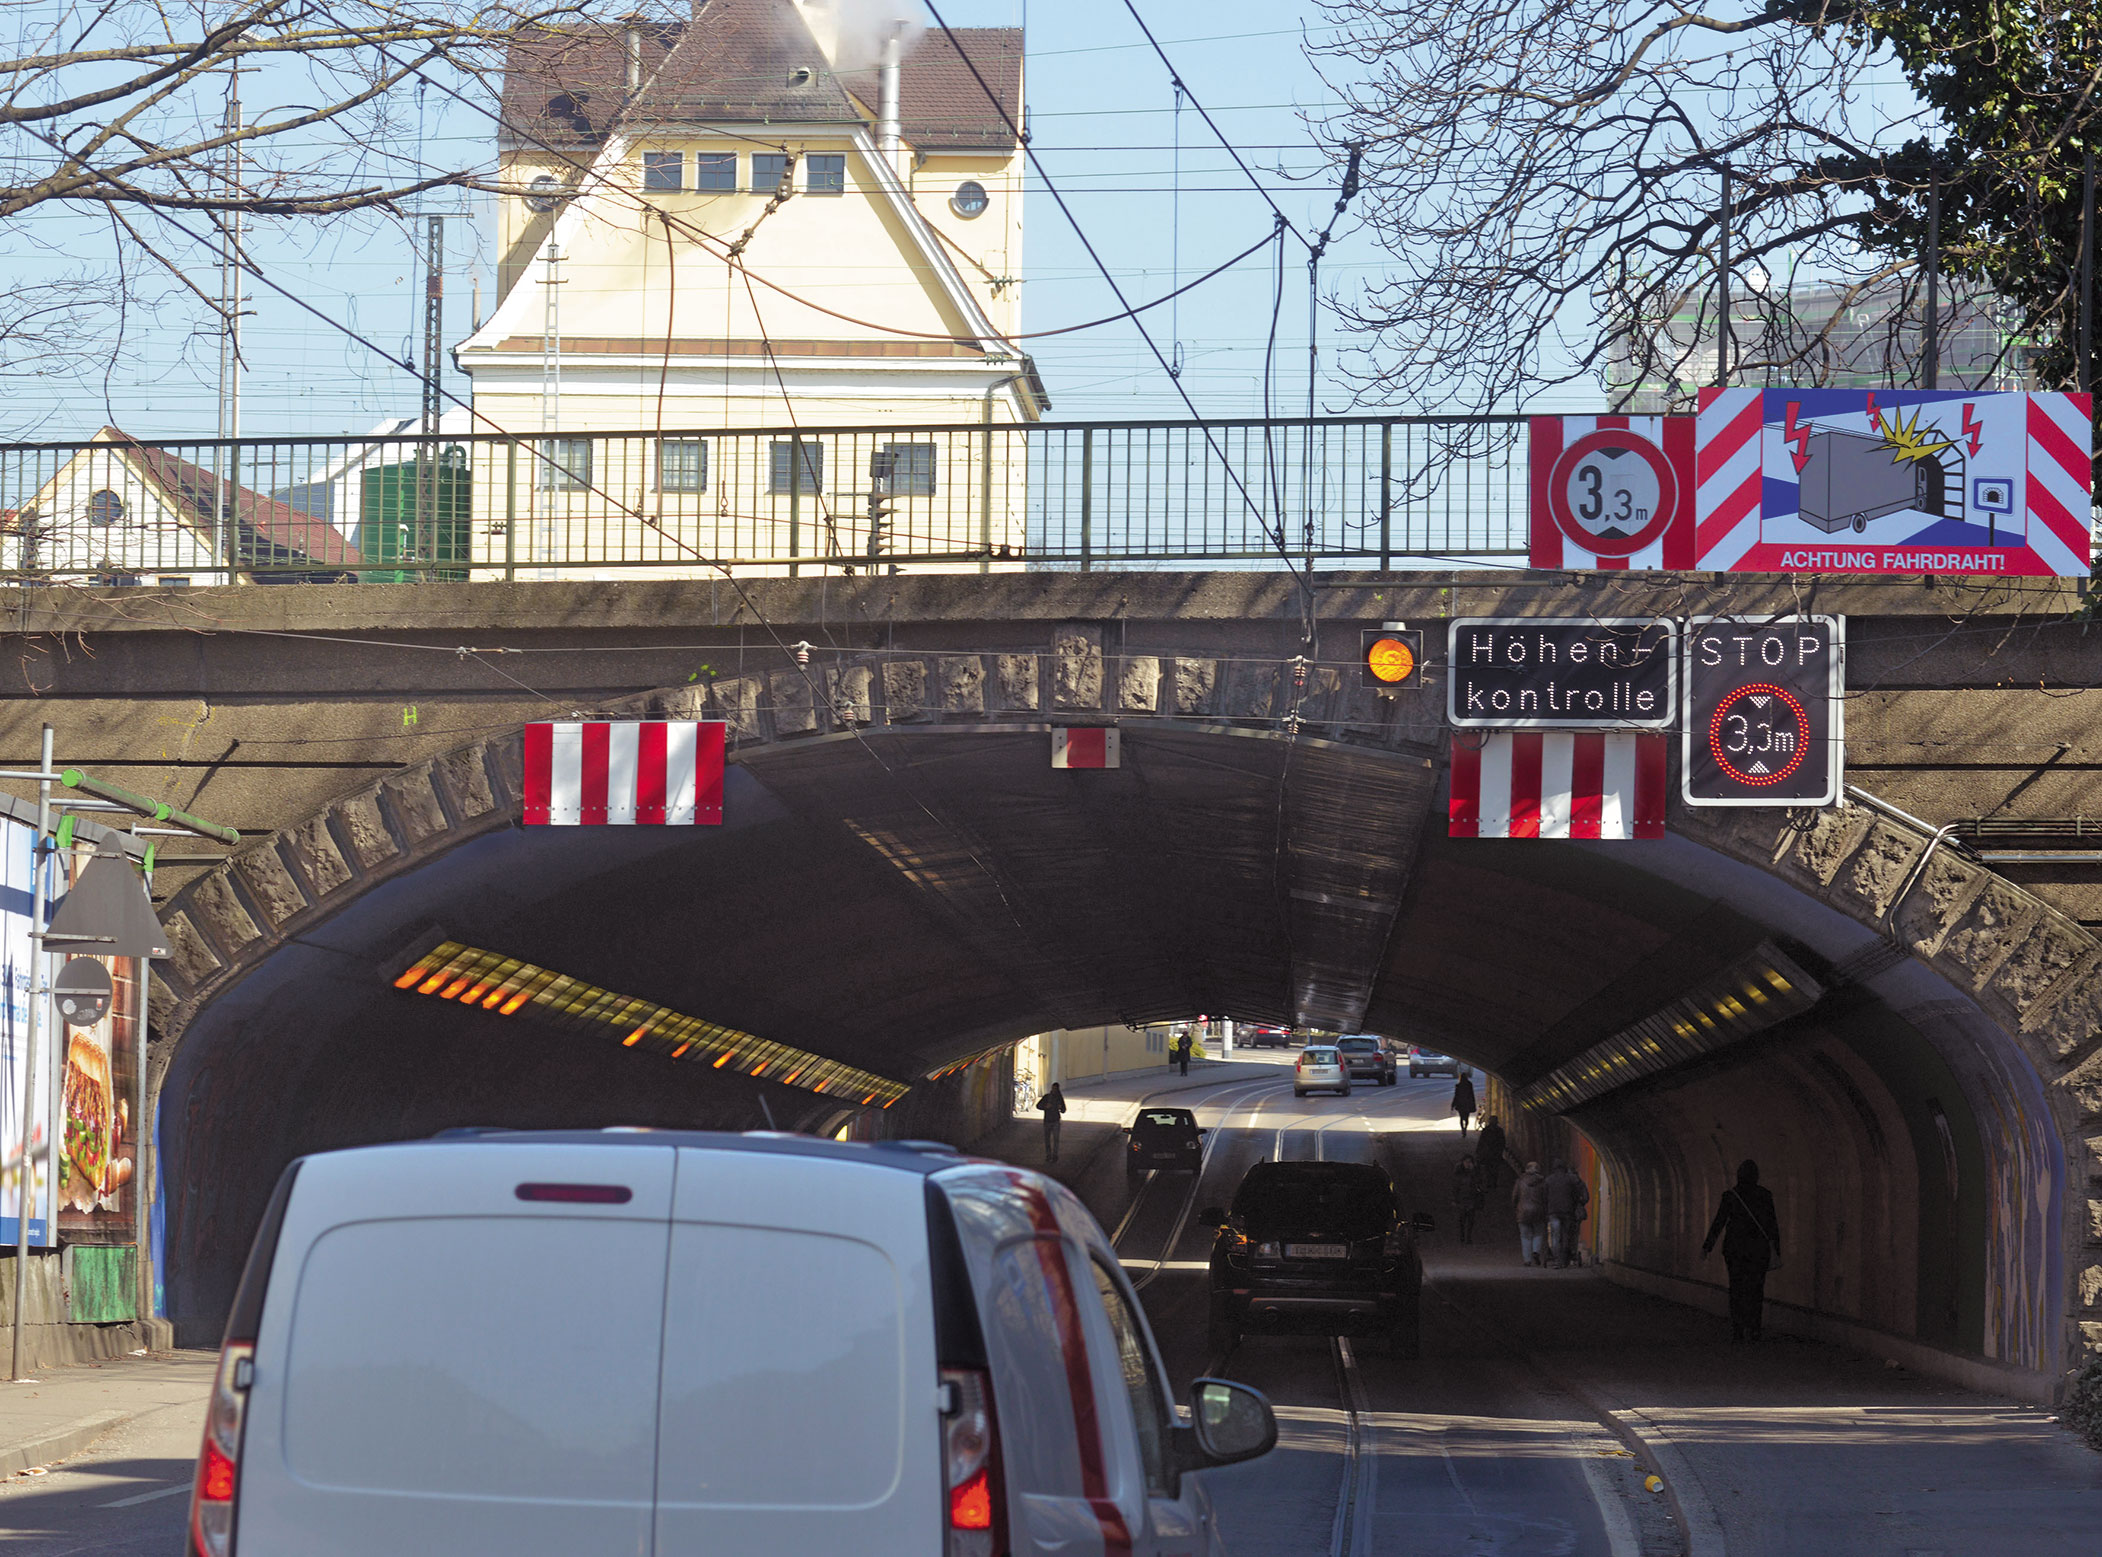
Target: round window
column 544, row 193
column 969, row 200
column 105, row 508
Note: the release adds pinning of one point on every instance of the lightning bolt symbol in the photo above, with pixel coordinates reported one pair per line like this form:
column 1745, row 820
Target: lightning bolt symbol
column 1971, row 429
column 1875, row 416
column 1799, row 436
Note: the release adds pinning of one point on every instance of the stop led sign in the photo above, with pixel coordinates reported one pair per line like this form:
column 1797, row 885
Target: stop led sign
column 1764, row 716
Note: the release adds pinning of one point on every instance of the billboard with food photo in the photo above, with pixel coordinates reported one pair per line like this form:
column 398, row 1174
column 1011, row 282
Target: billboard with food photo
column 99, row 1146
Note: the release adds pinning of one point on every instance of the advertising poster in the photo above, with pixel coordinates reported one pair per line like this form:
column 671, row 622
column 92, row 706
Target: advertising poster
column 98, row 1148
column 15, row 947
column 1893, row 481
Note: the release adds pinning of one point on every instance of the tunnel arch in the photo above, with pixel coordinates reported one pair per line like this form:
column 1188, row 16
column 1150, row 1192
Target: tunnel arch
column 1948, row 967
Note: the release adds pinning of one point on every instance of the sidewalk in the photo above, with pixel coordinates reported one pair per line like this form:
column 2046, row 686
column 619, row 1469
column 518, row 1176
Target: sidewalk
column 64, row 1410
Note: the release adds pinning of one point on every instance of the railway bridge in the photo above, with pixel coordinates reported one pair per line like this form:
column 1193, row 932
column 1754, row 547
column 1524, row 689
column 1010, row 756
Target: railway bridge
column 1892, row 1003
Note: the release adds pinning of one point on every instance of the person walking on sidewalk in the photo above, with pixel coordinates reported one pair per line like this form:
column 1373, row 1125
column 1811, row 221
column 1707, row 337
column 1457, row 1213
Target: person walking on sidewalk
column 1054, row 1107
column 1751, row 1246
column 1463, row 1101
column 1182, row 1053
column 1489, row 1152
column 1567, row 1195
column 1529, row 1200
column 1466, row 1197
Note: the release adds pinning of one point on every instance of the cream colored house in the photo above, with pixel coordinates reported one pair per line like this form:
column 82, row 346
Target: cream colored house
column 757, row 220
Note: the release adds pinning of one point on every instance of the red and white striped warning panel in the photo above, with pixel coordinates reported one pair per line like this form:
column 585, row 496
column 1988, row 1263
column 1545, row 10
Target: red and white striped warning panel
column 1558, row 784
column 603, row 773
column 1611, row 491
column 1893, row 481
column 1086, row 746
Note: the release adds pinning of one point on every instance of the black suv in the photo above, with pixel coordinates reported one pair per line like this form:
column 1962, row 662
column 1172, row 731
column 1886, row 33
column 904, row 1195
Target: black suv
column 1367, row 1058
column 1164, row 1138
column 1319, row 1245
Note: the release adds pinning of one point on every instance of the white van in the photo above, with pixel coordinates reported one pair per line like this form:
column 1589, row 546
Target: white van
column 646, row 1342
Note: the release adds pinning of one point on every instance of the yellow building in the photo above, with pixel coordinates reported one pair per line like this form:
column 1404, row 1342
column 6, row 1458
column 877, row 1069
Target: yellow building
column 770, row 217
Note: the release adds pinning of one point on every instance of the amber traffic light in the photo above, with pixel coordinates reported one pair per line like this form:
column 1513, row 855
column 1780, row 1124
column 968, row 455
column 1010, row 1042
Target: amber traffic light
column 1391, row 658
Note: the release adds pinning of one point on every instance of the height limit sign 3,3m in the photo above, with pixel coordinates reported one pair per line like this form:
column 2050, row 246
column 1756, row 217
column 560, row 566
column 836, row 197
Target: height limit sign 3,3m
column 1764, row 716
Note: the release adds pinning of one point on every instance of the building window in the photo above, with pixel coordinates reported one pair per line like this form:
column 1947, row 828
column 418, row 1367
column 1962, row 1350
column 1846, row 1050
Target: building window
column 663, row 170
column 715, row 170
column 682, row 465
column 828, row 176
column 903, row 470
column 768, row 169
column 813, row 479
column 105, row 508
column 565, row 464
column 174, row 581
column 970, row 199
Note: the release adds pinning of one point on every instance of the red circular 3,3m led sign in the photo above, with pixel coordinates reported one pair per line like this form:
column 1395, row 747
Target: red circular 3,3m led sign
column 1759, row 733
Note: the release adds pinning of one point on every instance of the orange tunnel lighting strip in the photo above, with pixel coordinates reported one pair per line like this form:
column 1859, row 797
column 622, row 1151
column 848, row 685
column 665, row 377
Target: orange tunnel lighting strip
column 508, row 986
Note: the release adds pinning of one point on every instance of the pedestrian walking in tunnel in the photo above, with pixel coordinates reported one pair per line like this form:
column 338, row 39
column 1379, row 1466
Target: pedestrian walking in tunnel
column 1182, row 1053
column 1466, row 1196
column 1529, row 1200
column 1751, row 1246
column 1567, row 1196
column 1054, row 1107
column 1463, row 1101
column 1489, row 1152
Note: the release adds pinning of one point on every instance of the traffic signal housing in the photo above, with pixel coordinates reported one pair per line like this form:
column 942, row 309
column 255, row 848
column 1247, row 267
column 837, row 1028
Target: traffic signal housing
column 1390, row 658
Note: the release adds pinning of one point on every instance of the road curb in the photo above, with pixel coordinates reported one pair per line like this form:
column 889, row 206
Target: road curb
column 59, row 1443
column 1696, row 1516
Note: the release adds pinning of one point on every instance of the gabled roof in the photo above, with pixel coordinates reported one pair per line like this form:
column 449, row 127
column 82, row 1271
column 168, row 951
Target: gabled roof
column 195, row 494
column 752, row 62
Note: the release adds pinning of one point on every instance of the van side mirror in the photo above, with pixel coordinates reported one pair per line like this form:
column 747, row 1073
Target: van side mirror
column 1229, row 1423
column 1211, row 1216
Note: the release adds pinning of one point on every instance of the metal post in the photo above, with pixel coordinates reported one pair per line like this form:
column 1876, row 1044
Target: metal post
column 426, row 544
column 25, row 1201
column 2084, row 373
column 511, row 510
column 141, row 1142
column 1087, row 496
column 795, row 501
column 1933, row 329
column 985, row 498
column 1386, row 496
column 1724, row 337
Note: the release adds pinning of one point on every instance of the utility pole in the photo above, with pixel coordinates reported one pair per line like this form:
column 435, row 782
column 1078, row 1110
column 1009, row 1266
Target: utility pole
column 546, row 476
column 2084, row 372
column 1314, row 252
column 1725, row 337
column 426, row 547
column 228, row 462
column 1933, row 331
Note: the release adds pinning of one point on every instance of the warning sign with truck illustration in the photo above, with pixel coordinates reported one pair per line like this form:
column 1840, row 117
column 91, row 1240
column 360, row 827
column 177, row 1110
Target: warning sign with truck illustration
column 1892, row 481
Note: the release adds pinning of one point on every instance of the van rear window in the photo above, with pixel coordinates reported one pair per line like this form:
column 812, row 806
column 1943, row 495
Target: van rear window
column 784, row 1371
column 503, row 1357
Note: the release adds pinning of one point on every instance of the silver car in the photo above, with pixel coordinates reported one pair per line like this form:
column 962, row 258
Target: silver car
column 1320, row 1069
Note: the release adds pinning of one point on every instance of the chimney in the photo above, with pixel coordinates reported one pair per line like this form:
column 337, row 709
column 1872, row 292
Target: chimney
column 889, row 134
column 631, row 27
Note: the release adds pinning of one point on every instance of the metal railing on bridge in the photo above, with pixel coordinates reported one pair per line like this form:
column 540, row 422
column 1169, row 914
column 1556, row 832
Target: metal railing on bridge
column 1338, row 492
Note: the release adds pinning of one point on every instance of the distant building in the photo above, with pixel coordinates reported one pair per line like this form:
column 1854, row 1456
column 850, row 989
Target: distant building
column 746, row 221
column 120, row 512
column 1821, row 336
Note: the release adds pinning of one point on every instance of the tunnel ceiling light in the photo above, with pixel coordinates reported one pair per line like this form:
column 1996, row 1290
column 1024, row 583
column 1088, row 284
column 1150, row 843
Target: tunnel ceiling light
column 509, row 987
column 1709, row 1017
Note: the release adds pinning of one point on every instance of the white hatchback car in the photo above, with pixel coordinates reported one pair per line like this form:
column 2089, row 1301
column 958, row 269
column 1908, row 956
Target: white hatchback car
column 1320, row 1069
column 677, row 1342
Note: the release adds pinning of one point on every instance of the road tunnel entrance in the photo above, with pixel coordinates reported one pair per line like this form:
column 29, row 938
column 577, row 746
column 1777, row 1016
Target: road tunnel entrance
column 1891, row 1032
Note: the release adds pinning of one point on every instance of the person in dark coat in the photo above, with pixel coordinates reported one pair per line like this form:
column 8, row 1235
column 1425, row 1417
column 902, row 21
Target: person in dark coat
column 1567, row 1195
column 1489, row 1152
column 1466, row 1197
column 1182, row 1054
column 1463, row 1101
column 1751, row 1246
column 1529, row 1201
column 1054, row 1108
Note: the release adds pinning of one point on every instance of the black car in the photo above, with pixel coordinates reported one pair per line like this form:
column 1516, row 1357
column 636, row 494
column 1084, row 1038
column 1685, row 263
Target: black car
column 1315, row 1245
column 1163, row 1138
column 1267, row 1037
column 1367, row 1059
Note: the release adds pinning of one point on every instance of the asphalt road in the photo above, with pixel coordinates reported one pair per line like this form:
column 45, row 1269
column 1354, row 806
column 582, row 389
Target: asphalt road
column 1460, row 1451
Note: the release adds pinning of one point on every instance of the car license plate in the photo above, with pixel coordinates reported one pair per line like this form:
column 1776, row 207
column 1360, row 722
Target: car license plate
column 1317, row 1251
column 1166, row 1156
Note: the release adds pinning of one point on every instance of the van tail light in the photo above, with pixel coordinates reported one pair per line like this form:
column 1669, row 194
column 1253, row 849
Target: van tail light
column 219, row 1461
column 977, row 1513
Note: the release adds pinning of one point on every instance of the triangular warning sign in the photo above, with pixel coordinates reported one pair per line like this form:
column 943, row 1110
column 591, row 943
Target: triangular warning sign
column 1760, row 700
column 1757, row 767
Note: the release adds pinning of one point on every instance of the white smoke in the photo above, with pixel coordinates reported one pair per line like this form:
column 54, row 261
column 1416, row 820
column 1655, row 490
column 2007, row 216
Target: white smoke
column 864, row 26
